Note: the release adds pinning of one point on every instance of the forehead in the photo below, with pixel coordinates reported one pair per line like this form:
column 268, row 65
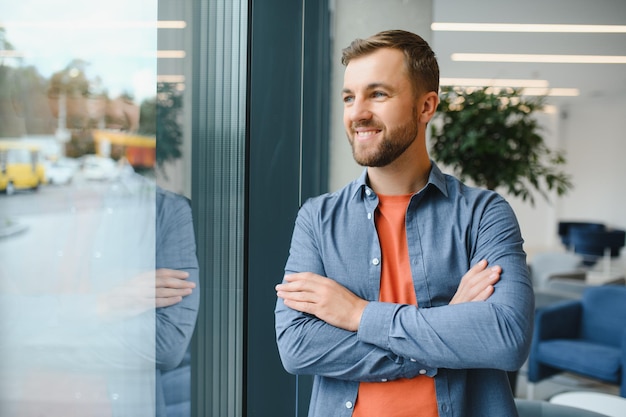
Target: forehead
column 382, row 66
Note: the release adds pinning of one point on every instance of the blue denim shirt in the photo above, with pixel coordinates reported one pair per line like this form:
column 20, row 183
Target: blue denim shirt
column 175, row 249
column 466, row 347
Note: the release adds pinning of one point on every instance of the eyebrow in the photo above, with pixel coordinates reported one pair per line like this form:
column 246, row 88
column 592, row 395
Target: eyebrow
column 371, row 86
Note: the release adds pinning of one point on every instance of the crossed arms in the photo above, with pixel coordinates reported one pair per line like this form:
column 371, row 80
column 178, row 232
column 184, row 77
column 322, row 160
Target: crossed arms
column 328, row 341
column 336, row 305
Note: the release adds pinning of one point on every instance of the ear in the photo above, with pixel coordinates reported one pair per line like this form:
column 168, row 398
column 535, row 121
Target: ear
column 429, row 102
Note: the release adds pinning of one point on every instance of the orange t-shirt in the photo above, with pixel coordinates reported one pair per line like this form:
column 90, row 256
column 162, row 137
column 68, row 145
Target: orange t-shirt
column 402, row 397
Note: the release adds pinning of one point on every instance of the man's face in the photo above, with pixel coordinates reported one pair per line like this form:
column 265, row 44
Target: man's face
column 380, row 114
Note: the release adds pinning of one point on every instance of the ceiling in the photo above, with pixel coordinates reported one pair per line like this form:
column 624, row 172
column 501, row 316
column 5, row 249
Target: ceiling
column 592, row 80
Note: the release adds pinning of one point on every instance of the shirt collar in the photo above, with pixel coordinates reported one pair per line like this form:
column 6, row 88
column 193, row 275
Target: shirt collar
column 436, row 178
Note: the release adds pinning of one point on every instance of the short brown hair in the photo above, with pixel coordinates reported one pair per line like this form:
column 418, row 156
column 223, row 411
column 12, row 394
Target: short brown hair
column 418, row 57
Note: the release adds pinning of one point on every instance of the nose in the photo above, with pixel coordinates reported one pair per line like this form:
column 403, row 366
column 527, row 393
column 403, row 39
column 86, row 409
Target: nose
column 358, row 110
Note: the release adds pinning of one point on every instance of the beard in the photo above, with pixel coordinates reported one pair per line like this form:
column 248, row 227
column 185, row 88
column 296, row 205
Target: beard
column 391, row 146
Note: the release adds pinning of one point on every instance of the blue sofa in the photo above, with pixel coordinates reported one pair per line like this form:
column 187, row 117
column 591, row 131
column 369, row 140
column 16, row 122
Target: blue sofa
column 585, row 337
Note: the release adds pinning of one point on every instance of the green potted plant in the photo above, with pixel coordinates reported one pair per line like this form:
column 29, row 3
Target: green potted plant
column 160, row 116
column 491, row 137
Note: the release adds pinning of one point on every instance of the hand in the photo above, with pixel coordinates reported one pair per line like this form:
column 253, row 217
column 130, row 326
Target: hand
column 324, row 298
column 171, row 287
column 477, row 283
column 161, row 288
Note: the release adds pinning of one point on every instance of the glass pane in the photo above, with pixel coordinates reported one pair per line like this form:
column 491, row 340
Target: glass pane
column 77, row 209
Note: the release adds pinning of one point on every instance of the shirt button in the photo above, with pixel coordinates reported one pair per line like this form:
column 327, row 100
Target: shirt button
column 369, row 215
column 375, row 261
column 383, row 380
column 348, row 404
column 422, row 371
column 367, row 191
column 412, row 360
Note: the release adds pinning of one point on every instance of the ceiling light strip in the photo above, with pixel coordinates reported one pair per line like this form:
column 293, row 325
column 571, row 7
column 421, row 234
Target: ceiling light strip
column 523, row 27
column 493, row 82
column 170, row 78
column 95, row 24
column 168, row 54
column 552, row 92
column 526, row 91
column 552, row 59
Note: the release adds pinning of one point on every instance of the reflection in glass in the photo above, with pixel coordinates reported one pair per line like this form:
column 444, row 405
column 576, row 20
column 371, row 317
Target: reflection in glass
column 77, row 220
column 76, row 291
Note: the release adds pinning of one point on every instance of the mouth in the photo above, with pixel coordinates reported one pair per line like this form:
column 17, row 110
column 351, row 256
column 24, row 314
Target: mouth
column 363, row 134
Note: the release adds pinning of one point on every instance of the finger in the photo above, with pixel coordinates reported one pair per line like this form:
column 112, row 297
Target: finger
column 166, row 302
column 168, row 282
column 287, row 283
column 474, row 284
column 482, row 276
column 483, row 288
column 297, row 296
column 172, row 292
column 298, row 277
column 287, row 288
column 479, row 282
column 484, row 294
column 173, row 273
column 480, row 266
column 297, row 282
column 475, row 270
column 489, row 275
column 303, row 307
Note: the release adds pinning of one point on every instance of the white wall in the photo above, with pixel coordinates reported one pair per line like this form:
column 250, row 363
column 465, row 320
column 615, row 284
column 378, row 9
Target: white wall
column 539, row 221
column 594, row 134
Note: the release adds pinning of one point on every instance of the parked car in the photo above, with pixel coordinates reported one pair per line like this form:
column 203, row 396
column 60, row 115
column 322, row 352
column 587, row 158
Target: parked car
column 99, row 168
column 61, row 171
column 20, row 167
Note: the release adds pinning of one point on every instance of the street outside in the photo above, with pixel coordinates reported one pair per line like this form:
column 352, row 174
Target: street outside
column 50, row 198
column 36, row 224
column 70, row 244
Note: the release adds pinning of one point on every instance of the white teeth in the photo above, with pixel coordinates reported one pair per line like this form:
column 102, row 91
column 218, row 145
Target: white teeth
column 367, row 133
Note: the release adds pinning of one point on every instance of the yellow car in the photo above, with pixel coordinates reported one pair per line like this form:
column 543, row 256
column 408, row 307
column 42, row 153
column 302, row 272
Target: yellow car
column 20, row 167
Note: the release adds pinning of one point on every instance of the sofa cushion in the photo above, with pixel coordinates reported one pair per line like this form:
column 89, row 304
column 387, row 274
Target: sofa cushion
column 601, row 361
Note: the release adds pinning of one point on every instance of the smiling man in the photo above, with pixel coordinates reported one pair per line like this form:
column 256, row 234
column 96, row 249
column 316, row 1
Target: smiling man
column 406, row 293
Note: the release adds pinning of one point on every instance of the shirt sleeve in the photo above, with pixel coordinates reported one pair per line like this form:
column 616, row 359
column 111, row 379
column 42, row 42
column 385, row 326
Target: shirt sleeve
column 176, row 249
column 493, row 334
column 308, row 345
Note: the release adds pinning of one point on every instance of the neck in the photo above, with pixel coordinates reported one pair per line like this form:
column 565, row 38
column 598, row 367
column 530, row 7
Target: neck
column 407, row 175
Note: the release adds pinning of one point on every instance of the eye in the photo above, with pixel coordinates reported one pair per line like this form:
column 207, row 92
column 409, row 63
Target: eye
column 348, row 99
column 379, row 94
